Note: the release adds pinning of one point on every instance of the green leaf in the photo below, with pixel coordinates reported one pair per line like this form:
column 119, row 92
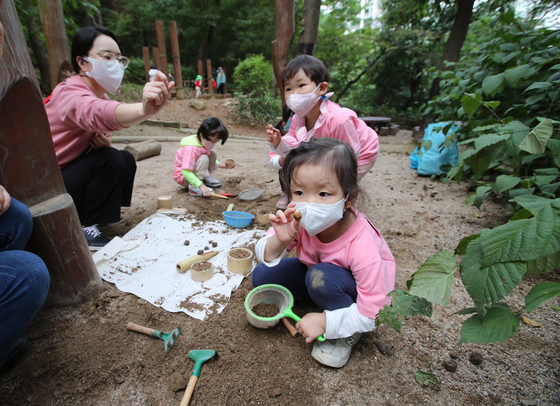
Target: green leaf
column 499, row 324
column 489, row 139
column 482, row 193
column 509, row 47
column 464, row 243
column 539, row 86
column 410, row 305
column 543, row 264
column 554, row 146
column 492, row 104
column 555, row 67
column 481, row 160
column 535, row 204
column 545, row 179
column 521, row 214
column 434, row 278
column 493, row 84
column 467, row 310
column 390, row 317
column 534, row 98
column 536, row 141
column 505, row 182
column 552, row 188
column 425, row 378
column 470, row 104
column 509, row 57
column 546, row 171
column 426, row 144
column 514, row 75
column 540, row 294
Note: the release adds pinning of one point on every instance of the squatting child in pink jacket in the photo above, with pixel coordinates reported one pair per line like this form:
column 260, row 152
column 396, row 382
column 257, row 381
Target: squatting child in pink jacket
column 343, row 263
column 306, row 82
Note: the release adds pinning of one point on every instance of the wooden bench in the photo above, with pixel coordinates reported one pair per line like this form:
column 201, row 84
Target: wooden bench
column 376, row 122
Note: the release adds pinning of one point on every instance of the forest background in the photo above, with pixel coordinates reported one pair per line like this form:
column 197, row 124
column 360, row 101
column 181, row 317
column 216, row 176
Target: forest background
column 491, row 68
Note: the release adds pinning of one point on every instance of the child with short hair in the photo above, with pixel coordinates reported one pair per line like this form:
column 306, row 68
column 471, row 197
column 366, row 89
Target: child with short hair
column 306, row 82
column 198, row 85
column 343, row 263
column 196, row 159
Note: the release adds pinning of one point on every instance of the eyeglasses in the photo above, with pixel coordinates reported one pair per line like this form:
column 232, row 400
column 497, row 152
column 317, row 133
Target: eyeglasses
column 110, row 59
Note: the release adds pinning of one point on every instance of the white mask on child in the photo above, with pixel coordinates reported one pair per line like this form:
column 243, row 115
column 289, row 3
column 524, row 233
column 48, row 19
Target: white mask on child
column 108, row 77
column 316, row 217
column 209, row 145
column 301, row 104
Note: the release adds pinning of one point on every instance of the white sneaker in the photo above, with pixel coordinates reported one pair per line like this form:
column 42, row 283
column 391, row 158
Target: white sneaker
column 211, row 181
column 334, row 353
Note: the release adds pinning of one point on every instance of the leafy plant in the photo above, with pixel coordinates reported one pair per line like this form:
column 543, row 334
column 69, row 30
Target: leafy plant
column 252, row 76
column 513, row 153
column 261, row 109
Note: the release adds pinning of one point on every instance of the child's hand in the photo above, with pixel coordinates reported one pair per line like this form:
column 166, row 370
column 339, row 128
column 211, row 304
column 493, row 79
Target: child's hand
column 206, row 192
column 285, row 225
column 312, row 325
column 273, row 136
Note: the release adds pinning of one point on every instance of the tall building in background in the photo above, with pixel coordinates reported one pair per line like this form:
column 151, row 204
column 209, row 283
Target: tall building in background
column 368, row 17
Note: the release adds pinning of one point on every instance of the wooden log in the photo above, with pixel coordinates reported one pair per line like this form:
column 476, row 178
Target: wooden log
column 176, row 60
column 161, row 48
column 155, row 54
column 143, row 150
column 29, row 171
column 146, row 53
column 209, row 73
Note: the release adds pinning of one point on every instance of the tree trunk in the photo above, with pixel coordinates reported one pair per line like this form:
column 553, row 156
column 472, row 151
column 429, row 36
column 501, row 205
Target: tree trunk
column 39, row 51
column 310, row 23
column 455, row 41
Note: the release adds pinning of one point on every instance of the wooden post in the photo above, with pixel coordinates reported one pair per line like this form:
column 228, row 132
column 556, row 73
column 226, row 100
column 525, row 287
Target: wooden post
column 209, row 72
column 29, row 171
column 54, row 28
column 200, row 70
column 146, row 52
column 155, row 53
column 281, row 46
column 176, row 60
column 161, row 48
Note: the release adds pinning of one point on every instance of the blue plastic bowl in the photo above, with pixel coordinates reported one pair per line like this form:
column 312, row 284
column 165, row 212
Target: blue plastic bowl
column 238, row 219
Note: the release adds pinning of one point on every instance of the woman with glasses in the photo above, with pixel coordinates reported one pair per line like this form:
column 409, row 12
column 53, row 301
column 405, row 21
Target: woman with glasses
column 98, row 177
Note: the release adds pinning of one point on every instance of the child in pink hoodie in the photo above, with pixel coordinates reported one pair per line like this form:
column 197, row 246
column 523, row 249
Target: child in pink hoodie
column 306, row 82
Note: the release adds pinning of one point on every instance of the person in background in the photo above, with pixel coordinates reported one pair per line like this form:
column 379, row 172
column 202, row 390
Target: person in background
column 342, row 262
column 198, row 85
column 221, row 80
column 24, row 278
column 99, row 177
column 152, row 72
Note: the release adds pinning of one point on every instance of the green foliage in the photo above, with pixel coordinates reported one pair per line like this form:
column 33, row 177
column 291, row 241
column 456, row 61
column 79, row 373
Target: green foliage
column 403, row 304
column 434, row 279
column 540, row 294
column 135, row 72
column 260, row 109
column 425, row 378
column 499, row 324
column 252, row 76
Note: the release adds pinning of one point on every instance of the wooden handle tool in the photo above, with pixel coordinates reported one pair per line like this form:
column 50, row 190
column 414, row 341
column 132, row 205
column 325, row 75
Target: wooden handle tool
column 293, row 331
column 144, row 330
column 218, row 196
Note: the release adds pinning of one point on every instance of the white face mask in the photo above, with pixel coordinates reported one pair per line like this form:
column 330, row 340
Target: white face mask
column 301, row 104
column 316, row 218
column 209, row 145
column 108, row 77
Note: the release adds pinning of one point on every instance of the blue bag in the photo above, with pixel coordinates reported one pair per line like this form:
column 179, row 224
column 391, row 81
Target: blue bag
column 431, row 160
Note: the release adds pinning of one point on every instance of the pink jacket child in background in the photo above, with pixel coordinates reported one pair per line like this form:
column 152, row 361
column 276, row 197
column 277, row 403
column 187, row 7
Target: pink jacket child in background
column 343, row 263
column 305, row 84
column 195, row 160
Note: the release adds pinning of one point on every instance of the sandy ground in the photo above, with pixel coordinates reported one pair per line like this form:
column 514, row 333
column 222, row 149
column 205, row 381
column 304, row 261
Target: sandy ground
column 84, row 355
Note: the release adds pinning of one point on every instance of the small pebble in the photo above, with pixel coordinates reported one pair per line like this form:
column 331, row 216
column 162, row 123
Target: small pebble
column 210, row 241
column 450, row 365
column 297, row 215
column 475, row 358
column 206, row 248
column 200, row 252
column 453, row 355
column 214, row 244
column 187, row 242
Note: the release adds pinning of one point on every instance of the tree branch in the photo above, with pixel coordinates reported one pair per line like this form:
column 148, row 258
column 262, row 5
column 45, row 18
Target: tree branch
column 383, row 49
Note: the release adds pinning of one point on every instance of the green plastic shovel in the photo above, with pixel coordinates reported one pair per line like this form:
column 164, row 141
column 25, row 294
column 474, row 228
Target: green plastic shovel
column 198, row 356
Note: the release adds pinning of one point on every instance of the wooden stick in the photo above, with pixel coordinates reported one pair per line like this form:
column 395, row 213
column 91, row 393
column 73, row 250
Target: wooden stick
column 140, row 329
column 218, row 196
column 189, row 390
column 293, row 331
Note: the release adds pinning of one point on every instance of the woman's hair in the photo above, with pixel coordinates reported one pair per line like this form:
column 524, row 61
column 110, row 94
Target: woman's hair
column 83, row 42
column 152, row 66
column 212, row 126
column 333, row 155
column 313, row 68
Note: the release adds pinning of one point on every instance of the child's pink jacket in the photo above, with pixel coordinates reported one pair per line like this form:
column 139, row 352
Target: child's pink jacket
column 335, row 122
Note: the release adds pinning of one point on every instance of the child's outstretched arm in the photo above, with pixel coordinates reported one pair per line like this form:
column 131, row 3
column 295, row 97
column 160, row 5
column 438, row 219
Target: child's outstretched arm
column 286, row 229
column 273, row 136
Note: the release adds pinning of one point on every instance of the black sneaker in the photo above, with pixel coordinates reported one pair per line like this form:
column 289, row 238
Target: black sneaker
column 94, row 238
